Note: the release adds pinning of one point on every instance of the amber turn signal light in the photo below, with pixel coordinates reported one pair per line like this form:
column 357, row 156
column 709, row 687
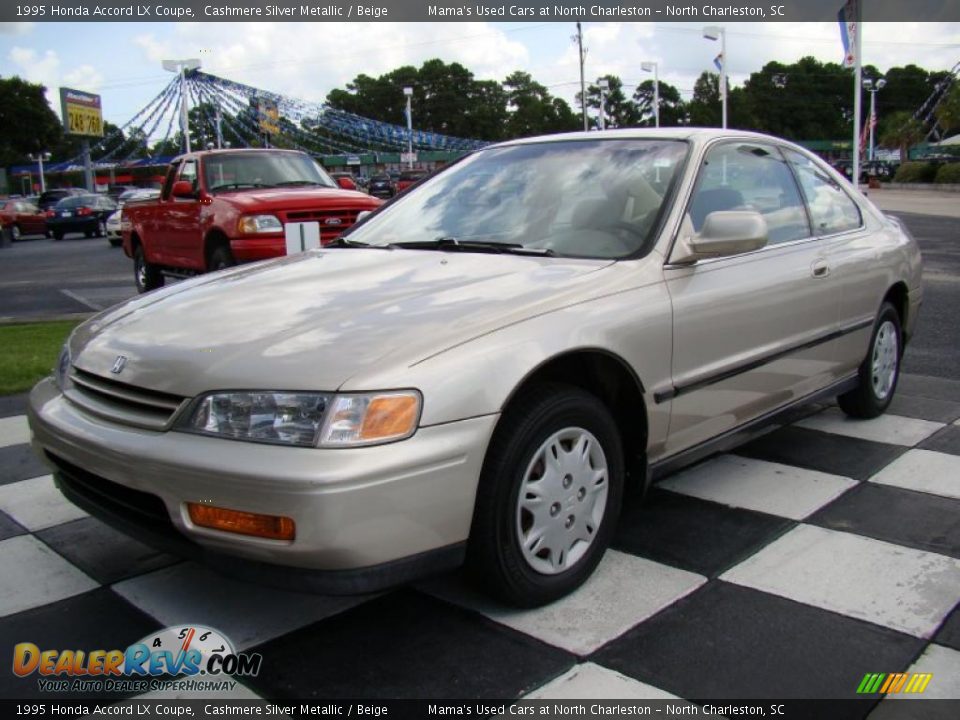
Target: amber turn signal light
column 273, row 527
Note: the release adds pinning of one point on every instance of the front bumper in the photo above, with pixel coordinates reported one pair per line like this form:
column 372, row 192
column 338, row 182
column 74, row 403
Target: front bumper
column 365, row 517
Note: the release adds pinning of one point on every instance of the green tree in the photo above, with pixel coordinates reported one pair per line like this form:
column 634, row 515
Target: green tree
column 902, row 130
column 948, row 112
column 704, row 108
column 27, row 124
column 533, row 110
column 673, row 111
column 619, row 110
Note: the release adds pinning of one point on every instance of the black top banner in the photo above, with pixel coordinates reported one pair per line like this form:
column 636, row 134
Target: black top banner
column 724, row 11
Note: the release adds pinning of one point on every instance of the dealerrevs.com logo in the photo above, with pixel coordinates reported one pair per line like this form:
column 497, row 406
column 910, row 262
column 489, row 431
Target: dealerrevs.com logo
column 185, row 657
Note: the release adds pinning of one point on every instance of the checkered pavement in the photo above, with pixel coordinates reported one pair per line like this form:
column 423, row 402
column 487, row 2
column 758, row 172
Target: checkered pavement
column 788, row 569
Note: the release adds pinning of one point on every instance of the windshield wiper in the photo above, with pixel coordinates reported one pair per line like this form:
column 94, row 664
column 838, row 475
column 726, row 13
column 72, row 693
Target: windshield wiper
column 452, row 244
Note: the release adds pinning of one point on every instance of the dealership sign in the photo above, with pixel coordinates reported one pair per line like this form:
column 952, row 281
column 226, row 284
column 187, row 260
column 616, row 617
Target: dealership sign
column 82, row 112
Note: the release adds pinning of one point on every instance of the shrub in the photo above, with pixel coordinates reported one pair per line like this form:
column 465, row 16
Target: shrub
column 949, row 173
column 916, row 172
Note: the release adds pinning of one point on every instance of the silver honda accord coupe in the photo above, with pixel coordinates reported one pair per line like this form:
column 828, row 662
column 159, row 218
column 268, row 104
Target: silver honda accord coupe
column 478, row 371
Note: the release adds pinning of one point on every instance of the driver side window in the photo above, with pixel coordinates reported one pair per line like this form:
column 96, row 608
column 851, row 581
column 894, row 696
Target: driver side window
column 750, row 176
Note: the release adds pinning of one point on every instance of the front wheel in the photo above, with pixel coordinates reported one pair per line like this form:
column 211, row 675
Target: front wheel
column 221, row 258
column 146, row 276
column 549, row 496
column 880, row 369
column 15, row 233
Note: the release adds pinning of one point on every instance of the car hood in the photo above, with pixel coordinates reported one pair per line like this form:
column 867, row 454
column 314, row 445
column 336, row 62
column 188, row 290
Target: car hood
column 313, row 320
column 292, row 199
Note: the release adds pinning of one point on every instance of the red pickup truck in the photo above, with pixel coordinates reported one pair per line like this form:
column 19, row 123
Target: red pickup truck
column 222, row 207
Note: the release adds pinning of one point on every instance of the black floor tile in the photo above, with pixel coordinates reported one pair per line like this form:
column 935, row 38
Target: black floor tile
column 726, row 641
column 949, row 632
column 103, row 553
column 11, row 405
column 97, row 620
column 915, row 519
column 406, row 645
column 9, row 527
column 18, row 462
column 693, row 534
column 826, row 452
column 946, row 440
column 922, row 408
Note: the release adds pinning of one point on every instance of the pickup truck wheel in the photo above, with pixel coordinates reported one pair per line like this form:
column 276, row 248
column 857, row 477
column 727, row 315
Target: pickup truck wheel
column 880, row 369
column 147, row 276
column 221, row 258
column 549, row 496
column 115, row 242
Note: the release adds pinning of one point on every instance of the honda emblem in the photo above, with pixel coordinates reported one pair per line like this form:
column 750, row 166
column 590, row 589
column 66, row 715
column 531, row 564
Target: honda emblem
column 118, row 365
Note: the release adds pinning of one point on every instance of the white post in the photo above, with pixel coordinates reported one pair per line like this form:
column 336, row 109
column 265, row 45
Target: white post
column 604, row 85
column 43, row 184
column 648, row 67
column 873, row 109
column 583, row 82
column 723, row 74
column 181, row 67
column 408, row 92
column 857, row 99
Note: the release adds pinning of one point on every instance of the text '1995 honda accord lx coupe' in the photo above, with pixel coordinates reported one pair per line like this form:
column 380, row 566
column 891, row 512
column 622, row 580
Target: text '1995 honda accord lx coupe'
column 478, row 371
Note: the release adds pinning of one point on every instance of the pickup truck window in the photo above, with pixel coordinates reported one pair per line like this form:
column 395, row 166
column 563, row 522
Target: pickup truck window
column 241, row 171
column 188, row 172
column 168, row 183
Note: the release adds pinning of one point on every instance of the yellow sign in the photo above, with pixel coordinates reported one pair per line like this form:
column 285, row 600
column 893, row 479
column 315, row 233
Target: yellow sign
column 82, row 113
column 269, row 116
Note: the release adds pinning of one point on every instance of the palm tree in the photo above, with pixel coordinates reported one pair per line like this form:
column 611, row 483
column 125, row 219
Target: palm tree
column 902, row 131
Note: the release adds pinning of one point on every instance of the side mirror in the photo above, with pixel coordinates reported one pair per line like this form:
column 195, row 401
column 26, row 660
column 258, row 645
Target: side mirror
column 724, row 233
column 183, row 189
column 346, row 183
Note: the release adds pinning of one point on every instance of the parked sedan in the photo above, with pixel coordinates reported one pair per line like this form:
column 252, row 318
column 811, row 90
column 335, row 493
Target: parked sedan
column 81, row 213
column 115, row 221
column 480, row 370
column 22, row 218
column 49, row 198
column 408, row 178
column 382, row 186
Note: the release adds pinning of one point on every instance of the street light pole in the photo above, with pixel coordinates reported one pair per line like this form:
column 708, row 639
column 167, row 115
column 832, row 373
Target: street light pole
column 873, row 87
column 583, row 83
column 181, row 66
column 40, row 157
column 408, row 93
column 652, row 67
column 604, row 86
column 713, row 32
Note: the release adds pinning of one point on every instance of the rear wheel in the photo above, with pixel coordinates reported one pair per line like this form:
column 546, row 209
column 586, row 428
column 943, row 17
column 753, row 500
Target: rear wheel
column 15, row 232
column 101, row 230
column 58, row 235
column 880, row 369
column 147, row 276
column 549, row 496
column 115, row 241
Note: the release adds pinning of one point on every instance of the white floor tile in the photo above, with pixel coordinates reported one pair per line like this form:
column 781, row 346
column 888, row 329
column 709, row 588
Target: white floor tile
column 34, row 575
column 944, row 664
column 759, row 485
column 897, row 587
column 588, row 681
column 37, row 504
column 892, row 429
column 14, row 431
column 924, row 471
column 247, row 614
column 623, row 591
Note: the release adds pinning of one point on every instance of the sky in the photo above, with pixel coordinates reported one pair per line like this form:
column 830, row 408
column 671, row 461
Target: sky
column 122, row 61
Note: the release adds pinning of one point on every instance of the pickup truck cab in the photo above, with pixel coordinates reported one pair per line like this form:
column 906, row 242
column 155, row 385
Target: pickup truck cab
column 223, row 207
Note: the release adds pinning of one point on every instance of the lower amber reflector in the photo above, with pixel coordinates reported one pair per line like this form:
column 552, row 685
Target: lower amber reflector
column 274, row 527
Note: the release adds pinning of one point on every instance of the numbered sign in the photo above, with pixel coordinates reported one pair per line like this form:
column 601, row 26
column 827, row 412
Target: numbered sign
column 82, row 112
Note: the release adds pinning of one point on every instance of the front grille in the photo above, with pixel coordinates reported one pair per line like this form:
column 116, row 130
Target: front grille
column 116, row 499
column 332, row 222
column 122, row 403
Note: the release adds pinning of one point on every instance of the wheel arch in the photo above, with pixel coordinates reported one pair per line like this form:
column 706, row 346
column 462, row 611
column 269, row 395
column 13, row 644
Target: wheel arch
column 213, row 239
column 610, row 378
column 899, row 296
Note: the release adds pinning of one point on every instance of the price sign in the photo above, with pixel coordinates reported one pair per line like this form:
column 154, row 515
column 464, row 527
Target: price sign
column 82, row 113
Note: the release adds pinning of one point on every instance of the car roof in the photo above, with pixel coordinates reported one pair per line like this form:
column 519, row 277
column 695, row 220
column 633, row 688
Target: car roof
column 700, row 134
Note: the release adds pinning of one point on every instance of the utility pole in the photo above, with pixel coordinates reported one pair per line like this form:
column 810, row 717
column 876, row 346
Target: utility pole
column 583, row 85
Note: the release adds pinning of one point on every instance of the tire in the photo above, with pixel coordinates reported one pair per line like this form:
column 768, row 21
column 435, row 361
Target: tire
column 115, row 242
column 527, row 558
column 101, row 230
column 58, row 235
column 146, row 276
column 88, row 233
column 880, row 369
column 15, row 233
column 220, row 258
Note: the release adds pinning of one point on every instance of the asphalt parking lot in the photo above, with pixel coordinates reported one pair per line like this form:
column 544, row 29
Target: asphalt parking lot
column 789, row 568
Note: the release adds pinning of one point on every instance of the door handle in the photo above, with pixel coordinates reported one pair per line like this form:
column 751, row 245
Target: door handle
column 820, row 268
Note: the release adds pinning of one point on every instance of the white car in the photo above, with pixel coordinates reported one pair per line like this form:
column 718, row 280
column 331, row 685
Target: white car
column 114, row 236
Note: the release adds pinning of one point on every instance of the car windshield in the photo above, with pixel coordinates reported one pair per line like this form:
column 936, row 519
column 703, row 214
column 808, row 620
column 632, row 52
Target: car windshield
column 580, row 198
column 238, row 171
column 76, row 201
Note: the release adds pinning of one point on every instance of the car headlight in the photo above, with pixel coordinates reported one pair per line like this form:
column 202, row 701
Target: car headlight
column 255, row 224
column 63, row 367
column 306, row 419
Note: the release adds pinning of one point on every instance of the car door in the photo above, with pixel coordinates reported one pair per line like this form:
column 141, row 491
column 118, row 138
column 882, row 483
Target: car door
column 32, row 218
column 182, row 221
column 751, row 332
column 852, row 250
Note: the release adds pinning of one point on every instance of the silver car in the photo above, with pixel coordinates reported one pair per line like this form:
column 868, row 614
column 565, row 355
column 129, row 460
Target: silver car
column 478, row 371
